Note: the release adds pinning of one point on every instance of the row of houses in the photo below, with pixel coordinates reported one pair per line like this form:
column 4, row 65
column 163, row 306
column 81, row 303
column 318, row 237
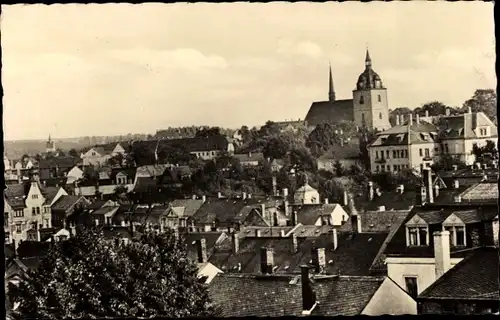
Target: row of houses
column 419, row 249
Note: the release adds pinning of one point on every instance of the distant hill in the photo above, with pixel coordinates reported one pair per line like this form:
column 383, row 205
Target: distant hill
column 17, row 148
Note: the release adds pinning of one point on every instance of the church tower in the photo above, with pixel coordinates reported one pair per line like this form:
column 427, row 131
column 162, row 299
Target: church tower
column 370, row 105
column 50, row 146
column 331, row 92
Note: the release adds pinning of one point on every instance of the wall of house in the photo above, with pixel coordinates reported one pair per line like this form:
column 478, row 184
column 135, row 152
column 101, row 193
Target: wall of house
column 206, row 155
column 391, row 161
column 339, row 216
column 424, row 269
column 390, row 299
column 414, row 154
column 308, row 197
column 35, row 200
column 457, row 307
column 329, row 164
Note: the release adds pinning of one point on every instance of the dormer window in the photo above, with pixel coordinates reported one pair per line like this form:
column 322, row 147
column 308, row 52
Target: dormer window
column 456, row 227
column 417, row 232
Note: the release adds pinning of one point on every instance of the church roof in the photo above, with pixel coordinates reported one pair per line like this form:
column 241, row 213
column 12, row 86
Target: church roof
column 330, row 112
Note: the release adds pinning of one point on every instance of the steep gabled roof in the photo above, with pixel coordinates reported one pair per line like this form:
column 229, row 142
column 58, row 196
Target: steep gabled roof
column 307, row 214
column 330, row 112
column 473, row 278
column 274, row 296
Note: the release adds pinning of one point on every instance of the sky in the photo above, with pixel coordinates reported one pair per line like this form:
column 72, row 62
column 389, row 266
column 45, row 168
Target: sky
column 75, row 70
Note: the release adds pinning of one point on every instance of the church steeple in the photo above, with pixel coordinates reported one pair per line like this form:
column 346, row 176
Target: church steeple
column 368, row 60
column 331, row 91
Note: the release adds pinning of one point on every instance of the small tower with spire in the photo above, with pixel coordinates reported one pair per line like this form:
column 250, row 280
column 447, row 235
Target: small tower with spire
column 331, row 91
column 50, row 145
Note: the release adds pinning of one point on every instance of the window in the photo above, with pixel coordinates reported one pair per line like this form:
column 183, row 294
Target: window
column 446, row 148
column 457, row 235
column 388, row 168
column 380, row 100
column 37, row 210
column 420, row 152
column 376, row 154
column 18, row 228
column 363, row 121
column 377, row 168
column 395, row 168
column 46, row 223
column 398, row 154
column 418, row 236
column 394, row 154
column 411, row 286
column 427, row 152
column 387, row 154
column 33, row 211
column 19, row 213
column 361, row 100
column 34, row 196
column 380, row 114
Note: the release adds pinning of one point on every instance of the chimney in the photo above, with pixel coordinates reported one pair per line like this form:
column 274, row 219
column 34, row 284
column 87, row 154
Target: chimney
column 370, row 190
column 133, row 227
column 426, row 113
column 282, row 233
column 249, row 196
column 294, row 218
column 287, row 208
column 38, row 236
column 418, row 118
column 96, row 222
column 345, row 198
column 244, row 196
column 204, row 198
column 469, row 110
column 397, row 120
column 402, row 121
column 456, row 184
column 326, row 200
column 356, row 223
column 381, row 208
column 308, row 295
column 334, row 239
column 319, row 259
column 194, row 197
column 295, row 243
column 410, row 122
column 447, row 112
column 257, row 233
column 428, row 184
column 442, row 252
column 201, row 246
column 266, row 260
column 401, row 188
column 219, row 195
column 285, row 193
column 123, row 223
column 436, row 191
column 44, row 183
column 455, row 167
column 263, row 209
column 478, row 166
column 275, row 186
column 236, row 242
column 162, row 226
column 249, row 154
column 423, row 195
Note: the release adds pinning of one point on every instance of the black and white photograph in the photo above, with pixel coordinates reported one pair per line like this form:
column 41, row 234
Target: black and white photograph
column 222, row 160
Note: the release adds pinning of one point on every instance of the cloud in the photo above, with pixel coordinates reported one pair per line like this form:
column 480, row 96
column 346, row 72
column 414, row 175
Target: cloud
column 183, row 58
column 290, row 48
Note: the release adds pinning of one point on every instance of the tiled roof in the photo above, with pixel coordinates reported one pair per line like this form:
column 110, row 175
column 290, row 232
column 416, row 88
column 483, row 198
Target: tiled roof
column 382, row 221
column 463, row 125
column 104, row 210
column 49, row 193
column 249, row 231
column 397, row 245
column 405, row 134
column 307, row 214
column 15, row 194
column 474, row 278
column 354, row 254
column 65, row 202
column 391, row 200
column 330, row 112
column 60, row 162
column 156, row 170
column 247, row 157
column 275, row 296
column 143, row 184
column 222, row 210
column 96, row 204
column 190, row 206
column 481, row 191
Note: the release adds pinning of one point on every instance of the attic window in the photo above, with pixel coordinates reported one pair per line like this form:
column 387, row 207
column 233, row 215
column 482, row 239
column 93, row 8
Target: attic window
column 400, row 137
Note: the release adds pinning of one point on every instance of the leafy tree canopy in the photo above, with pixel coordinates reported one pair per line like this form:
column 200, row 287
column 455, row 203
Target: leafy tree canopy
column 89, row 277
column 483, row 100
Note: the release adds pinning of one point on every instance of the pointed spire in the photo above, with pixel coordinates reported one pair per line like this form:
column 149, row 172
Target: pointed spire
column 368, row 60
column 331, row 92
column 49, row 137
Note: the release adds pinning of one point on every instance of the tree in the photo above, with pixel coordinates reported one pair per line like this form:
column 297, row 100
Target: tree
column 325, row 135
column 483, row 100
column 73, row 153
column 398, row 112
column 89, row 277
column 487, row 151
column 208, row 132
column 339, row 169
column 434, row 108
column 446, row 162
column 116, row 160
